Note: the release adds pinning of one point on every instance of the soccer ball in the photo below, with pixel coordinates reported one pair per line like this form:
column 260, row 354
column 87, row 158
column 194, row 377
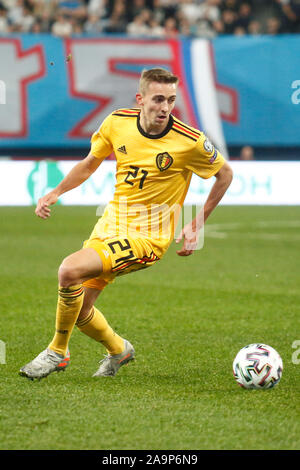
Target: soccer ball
column 257, row 366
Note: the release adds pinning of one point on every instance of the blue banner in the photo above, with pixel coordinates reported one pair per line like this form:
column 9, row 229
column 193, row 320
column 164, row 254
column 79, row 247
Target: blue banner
column 264, row 71
column 55, row 93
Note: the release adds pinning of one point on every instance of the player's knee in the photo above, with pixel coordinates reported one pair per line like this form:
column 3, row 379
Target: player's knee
column 67, row 275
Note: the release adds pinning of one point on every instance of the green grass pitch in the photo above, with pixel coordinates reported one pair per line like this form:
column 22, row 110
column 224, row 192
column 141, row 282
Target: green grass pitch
column 186, row 317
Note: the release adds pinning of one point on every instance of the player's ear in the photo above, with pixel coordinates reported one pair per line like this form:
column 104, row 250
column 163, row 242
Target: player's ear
column 139, row 99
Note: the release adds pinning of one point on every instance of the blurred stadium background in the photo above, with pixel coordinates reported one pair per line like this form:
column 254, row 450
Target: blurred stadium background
column 65, row 64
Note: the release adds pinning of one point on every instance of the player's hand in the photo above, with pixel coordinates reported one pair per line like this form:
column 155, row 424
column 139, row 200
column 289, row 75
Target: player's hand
column 190, row 236
column 42, row 209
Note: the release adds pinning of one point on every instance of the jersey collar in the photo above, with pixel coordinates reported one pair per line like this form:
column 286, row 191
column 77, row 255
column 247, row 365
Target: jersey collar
column 155, row 136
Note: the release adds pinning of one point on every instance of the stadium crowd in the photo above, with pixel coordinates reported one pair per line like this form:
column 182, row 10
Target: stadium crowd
column 150, row 18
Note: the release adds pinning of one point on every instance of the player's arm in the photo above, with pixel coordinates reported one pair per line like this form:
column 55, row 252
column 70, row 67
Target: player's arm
column 79, row 173
column 222, row 183
column 190, row 233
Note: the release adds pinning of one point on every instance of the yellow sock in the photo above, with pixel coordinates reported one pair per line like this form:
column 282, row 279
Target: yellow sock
column 95, row 326
column 69, row 303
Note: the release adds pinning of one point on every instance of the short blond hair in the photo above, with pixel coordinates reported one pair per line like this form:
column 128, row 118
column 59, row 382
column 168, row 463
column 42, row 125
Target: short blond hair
column 158, row 75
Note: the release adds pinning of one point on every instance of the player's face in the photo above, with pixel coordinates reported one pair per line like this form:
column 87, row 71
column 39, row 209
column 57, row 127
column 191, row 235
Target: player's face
column 156, row 103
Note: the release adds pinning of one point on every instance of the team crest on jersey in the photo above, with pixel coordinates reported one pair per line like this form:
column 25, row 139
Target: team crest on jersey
column 163, row 161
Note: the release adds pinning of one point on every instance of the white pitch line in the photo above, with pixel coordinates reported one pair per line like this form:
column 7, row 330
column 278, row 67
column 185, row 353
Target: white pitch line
column 279, row 223
column 212, row 234
column 225, row 226
column 219, row 230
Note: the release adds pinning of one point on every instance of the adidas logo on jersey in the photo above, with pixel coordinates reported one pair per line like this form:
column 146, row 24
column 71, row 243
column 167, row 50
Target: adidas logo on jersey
column 122, row 149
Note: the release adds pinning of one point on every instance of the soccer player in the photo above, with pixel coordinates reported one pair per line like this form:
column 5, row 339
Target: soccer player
column 156, row 155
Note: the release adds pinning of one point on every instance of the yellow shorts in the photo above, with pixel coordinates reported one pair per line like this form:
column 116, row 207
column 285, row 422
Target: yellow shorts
column 120, row 256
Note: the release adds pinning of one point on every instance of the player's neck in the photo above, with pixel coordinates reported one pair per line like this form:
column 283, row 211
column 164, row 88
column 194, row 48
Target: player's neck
column 150, row 128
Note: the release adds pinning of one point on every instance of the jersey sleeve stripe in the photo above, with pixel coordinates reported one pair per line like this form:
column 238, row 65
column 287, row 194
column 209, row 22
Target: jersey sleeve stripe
column 183, row 133
column 182, row 129
column 194, row 131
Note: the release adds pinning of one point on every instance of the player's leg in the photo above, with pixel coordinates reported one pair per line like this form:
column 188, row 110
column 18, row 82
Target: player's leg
column 125, row 256
column 75, row 269
column 91, row 294
column 93, row 323
column 80, row 266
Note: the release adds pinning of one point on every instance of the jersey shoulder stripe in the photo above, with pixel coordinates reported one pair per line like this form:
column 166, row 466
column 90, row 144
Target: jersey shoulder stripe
column 188, row 128
column 181, row 130
column 128, row 112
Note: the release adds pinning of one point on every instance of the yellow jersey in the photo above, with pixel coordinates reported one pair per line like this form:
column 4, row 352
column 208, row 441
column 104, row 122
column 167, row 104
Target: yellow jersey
column 153, row 173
